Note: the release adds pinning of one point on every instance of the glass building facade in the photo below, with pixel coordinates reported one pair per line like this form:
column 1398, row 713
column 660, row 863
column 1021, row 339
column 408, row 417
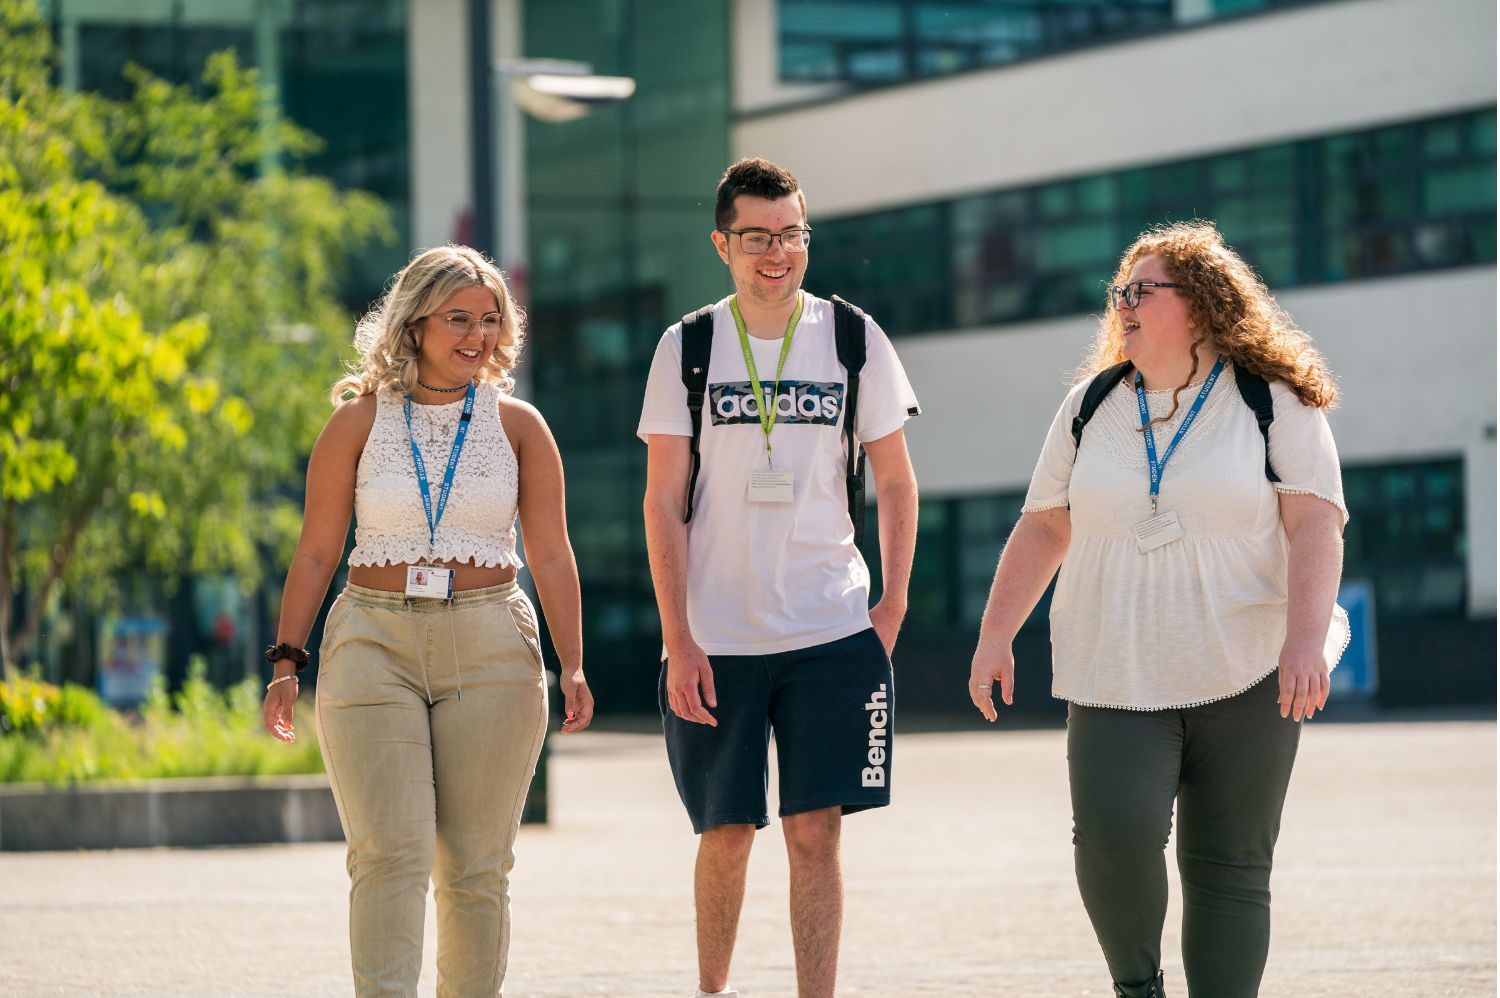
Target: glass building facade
column 1406, row 536
column 620, row 205
column 873, row 42
column 340, row 70
column 339, row 66
column 1385, row 201
column 619, row 211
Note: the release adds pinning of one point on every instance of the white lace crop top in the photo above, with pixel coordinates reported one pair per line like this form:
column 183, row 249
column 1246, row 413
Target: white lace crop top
column 479, row 524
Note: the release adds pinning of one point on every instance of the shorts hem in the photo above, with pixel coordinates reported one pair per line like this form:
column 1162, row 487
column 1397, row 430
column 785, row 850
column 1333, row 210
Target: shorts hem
column 714, row 820
column 847, row 804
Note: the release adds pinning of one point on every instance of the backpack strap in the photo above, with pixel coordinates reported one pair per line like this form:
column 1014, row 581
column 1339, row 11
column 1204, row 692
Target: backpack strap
column 1104, row 382
column 697, row 346
column 849, row 339
column 1257, row 395
column 1253, row 389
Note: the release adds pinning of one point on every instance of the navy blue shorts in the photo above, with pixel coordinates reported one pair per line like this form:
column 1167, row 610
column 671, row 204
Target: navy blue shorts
column 830, row 707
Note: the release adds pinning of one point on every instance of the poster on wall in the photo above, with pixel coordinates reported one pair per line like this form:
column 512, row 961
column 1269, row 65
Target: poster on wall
column 131, row 653
column 1357, row 672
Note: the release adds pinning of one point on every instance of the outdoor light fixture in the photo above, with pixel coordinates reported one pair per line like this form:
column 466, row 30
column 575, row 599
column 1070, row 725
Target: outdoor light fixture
column 550, row 90
column 558, row 97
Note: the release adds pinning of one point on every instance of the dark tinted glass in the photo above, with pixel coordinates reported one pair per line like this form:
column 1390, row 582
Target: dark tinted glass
column 1385, row 201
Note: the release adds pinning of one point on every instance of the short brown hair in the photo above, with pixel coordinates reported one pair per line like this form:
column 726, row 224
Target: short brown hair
column 758, row 178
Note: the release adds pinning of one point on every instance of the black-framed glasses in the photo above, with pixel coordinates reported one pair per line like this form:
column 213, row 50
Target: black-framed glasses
column 1130, row 294
column 757, row 241
column 458, row 324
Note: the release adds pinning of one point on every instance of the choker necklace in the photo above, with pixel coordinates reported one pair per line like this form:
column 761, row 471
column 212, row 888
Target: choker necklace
column 443, row 391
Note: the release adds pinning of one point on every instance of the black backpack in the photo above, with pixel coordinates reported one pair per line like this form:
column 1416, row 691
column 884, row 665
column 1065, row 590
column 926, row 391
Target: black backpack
column 849, row 339
column 1253, row 389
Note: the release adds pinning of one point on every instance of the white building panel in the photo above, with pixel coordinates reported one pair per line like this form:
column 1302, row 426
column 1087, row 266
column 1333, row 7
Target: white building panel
column 1307, row 72
column 437, row 59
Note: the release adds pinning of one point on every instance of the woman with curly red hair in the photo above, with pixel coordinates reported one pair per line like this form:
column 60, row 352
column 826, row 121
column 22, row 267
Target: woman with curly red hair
column 1189, row 489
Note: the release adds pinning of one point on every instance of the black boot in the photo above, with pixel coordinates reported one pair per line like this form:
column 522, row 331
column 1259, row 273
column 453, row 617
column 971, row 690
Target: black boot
column 1154, row 988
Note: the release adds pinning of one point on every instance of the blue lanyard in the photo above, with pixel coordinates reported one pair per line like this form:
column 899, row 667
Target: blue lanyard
column 1156, row 467
column 416, row 456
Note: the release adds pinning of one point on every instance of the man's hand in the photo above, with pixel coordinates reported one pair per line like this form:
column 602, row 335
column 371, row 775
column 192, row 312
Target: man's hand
column 886, row 617
column 688, row 673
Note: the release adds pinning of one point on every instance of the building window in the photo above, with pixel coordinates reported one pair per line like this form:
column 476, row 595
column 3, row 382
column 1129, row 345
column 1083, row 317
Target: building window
column 1391, row 200
column 1406, row 535
column 340, row 67
column 872, row 42
column 958, row 547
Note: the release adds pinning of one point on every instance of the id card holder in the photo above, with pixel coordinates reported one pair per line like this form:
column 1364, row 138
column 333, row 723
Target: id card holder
column 770, row 486
column 429, row 582
column 1158, row 531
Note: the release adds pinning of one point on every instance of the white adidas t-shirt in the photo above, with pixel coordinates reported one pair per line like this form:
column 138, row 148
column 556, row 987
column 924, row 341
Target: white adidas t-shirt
column 773, row 577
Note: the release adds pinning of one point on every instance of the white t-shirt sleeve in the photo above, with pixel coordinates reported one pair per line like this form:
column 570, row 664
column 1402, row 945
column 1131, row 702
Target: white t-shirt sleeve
column 1054, row 468
column 886, row 399
column 665, row 407
column 1302, row 451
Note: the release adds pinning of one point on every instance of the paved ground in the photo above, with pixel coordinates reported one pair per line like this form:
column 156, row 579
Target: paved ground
column 1385, row 885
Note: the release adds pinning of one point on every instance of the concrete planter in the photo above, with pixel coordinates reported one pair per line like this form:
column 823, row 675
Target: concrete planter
column 187, row 812
column 214, row 811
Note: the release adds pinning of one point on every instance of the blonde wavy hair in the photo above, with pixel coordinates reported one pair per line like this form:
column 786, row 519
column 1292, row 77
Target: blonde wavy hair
column 1231, row 308
column 388, row 337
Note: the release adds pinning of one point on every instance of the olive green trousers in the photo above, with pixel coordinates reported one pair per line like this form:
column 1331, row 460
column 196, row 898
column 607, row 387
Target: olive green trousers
column 1226, row 765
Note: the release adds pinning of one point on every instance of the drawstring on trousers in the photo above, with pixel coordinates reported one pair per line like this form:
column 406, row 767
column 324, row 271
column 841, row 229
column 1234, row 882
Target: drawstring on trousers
column 453, row 643
column 411, row 619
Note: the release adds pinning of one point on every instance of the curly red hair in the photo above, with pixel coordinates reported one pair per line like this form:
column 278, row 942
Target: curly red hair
column 1231, row 307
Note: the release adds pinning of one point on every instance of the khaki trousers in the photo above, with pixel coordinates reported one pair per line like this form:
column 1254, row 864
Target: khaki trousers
column 430, row 717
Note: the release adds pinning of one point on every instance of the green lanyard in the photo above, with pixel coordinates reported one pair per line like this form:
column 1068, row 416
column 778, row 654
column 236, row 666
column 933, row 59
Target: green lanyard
column 766, row 412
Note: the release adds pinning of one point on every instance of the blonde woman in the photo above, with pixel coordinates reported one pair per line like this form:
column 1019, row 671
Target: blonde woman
column 431, row 703
column 1190, row 491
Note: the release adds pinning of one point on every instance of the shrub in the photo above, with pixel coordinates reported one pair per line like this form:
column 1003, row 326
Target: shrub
column 66, row 734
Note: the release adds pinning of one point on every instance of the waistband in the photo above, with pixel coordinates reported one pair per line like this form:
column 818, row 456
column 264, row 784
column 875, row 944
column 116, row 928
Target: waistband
column 363, row 596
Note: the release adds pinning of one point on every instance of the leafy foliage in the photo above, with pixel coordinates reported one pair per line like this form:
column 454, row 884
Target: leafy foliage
column 62, row 735
column 169, row 328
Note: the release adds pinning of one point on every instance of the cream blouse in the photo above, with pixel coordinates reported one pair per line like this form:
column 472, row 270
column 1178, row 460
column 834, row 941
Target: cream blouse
column 479, row 523
column 1201, row 618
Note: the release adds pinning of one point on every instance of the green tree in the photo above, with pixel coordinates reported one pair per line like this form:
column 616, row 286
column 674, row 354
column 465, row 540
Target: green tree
column 168, row 327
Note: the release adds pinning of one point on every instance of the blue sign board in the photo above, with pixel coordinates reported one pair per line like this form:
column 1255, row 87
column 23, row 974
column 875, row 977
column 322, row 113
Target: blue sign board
column 131, row 652
column 1357, row 672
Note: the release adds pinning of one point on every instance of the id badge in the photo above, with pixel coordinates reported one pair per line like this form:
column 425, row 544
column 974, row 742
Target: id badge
column 770, row 486
column 1157, row 531
column 430, row 582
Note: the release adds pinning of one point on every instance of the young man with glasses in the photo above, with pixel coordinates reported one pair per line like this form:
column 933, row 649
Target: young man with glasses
column 763, row 594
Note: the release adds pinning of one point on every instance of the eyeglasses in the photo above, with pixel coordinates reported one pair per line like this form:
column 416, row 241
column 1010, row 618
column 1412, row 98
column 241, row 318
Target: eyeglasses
column 1130, row 294
column 458, row 324
column 757, row 241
